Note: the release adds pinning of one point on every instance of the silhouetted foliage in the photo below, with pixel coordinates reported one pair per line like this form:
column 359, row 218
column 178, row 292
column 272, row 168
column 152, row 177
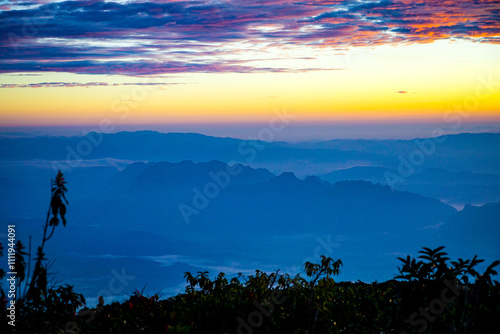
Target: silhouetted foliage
column 430, row 299
column 431, row 294
column 42, row 307
column 278, row 303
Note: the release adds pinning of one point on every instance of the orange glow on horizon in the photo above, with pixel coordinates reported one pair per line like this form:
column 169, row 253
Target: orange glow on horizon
column 413, row 83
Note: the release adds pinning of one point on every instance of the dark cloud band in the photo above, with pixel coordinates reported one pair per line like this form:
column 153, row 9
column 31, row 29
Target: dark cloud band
column 85, row 85
column 191, row 36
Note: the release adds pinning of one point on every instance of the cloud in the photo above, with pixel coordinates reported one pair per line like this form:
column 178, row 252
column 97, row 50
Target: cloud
column 402, row 92
column 135, row 68
column 86, row 85
column 25, row 75
column 193, row 36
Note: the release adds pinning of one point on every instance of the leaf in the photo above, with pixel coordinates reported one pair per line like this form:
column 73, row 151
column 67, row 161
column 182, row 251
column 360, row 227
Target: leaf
column 62, row 210
column 55, row 203
column 54, row 221
column 440, row 248
column 494, row 264
column 64, row 196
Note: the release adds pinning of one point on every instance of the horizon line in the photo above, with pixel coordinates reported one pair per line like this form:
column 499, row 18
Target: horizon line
column 36, row 131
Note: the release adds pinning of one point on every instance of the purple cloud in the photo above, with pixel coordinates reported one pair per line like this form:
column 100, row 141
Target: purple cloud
column 100, row 37
column 85, row 85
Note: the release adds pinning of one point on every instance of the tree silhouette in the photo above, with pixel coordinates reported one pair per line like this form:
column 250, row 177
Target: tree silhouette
column 57, row 209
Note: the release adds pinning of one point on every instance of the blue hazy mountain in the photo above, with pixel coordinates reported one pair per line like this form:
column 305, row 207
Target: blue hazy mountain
column 359, row 173
column 474, row 227
column 477, row 153
column 191, row 199
column 457, row 188
column 163, row 203
column 256, row 218
column 164, row 175
column 26, row 187
column 481, row 143
column 444, row 177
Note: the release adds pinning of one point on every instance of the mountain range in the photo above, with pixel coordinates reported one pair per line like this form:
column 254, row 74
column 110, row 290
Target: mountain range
column 455, row 188
column 478, row 153
column 160, row 204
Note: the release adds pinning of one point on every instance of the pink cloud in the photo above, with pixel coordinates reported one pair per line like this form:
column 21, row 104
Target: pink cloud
column 190, row 36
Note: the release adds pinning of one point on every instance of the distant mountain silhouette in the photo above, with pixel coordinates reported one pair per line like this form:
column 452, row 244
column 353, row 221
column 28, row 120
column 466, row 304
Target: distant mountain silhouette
column 284, row 183
column 359, row 173
column 265, row 212
column 473, row 152
column 475, row 226
column 285, row 203
column 479, row 143
column 252, row 201
column 457, row 188
column 121, row 181
column 25, row 188
column 440, row 176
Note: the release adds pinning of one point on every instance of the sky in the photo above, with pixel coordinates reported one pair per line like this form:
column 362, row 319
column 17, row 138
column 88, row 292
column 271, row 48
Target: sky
column 338, row 68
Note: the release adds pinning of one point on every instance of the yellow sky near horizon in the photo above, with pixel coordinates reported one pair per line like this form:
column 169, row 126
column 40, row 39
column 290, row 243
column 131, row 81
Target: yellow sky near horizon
column 408, row 82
